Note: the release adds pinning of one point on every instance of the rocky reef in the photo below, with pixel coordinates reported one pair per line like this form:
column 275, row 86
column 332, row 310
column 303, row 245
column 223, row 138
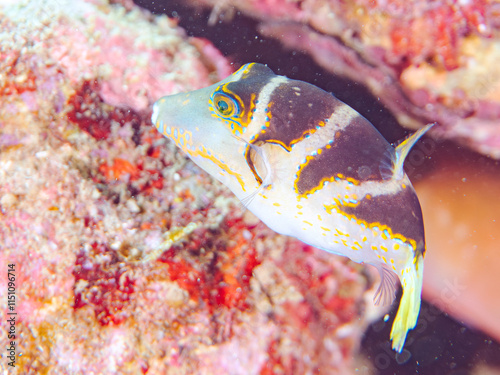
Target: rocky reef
column 128, row 258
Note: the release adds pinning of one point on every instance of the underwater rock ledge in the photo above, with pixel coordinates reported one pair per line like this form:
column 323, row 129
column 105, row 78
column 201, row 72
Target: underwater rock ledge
column 426, row 61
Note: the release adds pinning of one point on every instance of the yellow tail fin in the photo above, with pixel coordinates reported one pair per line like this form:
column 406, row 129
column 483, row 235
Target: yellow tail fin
column 409, row 307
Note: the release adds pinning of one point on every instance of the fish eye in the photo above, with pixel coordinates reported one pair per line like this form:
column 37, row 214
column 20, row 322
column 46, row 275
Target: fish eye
column 225, row 105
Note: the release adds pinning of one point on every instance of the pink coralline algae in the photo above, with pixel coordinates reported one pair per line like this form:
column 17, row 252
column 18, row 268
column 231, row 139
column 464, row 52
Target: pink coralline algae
column 427, row 61
column 128, row 258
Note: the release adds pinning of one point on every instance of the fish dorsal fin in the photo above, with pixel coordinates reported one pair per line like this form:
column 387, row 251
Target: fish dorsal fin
column 386, row 167
column 403, row 148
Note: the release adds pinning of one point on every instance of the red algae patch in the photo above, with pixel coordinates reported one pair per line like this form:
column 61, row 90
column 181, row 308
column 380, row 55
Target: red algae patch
column 94, row 116
column 101, row 281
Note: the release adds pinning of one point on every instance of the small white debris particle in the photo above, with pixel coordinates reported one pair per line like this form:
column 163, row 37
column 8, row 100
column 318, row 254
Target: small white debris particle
column 132, row 206
column 8, row 200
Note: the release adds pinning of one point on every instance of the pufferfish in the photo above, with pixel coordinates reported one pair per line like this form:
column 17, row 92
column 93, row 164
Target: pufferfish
column 311, row 167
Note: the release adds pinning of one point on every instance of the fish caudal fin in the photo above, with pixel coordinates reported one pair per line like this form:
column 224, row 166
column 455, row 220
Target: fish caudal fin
column 403, row 148
column 409, row 307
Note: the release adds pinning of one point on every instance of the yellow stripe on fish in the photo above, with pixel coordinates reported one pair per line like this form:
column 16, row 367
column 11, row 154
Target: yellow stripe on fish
column 311, row 167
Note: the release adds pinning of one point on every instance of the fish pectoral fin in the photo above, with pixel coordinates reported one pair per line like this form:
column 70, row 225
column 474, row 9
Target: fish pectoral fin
column 245, row 202
column 260, row 165
column 403, row 148
column 409, row 307
column 258, row 162
column 389, row 283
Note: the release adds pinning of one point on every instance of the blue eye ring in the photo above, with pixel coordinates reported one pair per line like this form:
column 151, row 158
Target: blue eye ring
column 225, row 105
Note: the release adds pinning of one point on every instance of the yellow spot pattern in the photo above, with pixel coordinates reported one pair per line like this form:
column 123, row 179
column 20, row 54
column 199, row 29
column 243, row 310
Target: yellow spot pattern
column 296, row 140
column 375, row 226
column 182, row 138
column 204, row 154
column 321, row 184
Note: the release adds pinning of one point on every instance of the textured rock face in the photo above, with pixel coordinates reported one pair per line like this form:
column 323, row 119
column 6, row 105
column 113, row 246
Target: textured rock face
column 426, row 61
column 128, row 258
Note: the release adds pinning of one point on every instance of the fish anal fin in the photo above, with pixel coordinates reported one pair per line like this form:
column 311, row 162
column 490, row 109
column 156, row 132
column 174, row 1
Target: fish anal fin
column 389, row 284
